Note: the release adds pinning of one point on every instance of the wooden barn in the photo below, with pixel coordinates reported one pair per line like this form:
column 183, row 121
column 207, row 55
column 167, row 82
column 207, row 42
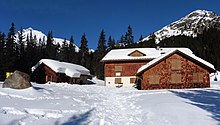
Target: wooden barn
column 55, row 71
column 162, row 68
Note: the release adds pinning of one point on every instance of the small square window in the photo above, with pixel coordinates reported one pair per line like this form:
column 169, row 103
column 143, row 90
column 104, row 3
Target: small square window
column 176, row 64
column 154, row 79
column 176, row 78
column 197, row 77
column 117, row 80
column 132, row 80
column 118, row 68
column 118, row 74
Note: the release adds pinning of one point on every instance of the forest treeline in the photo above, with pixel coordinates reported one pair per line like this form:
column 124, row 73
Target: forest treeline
column 25, row 52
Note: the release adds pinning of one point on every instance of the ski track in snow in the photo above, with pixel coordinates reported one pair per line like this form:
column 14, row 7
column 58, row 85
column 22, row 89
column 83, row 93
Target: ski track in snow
column 116, row 108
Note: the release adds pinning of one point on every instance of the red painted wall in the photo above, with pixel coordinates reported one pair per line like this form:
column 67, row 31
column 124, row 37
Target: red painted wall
column 128, row 68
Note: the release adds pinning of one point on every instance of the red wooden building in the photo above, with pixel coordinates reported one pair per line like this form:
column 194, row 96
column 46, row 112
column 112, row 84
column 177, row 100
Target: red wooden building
column 163, row 68
column 55, row 71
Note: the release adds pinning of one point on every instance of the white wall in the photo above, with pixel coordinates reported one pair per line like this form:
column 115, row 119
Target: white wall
column 110, row 81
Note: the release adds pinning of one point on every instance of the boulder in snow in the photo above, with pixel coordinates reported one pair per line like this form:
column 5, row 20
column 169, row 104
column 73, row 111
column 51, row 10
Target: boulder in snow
column 18, row 80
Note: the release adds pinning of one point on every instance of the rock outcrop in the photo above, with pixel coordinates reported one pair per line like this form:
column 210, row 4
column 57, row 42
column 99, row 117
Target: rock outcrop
column 18, row 80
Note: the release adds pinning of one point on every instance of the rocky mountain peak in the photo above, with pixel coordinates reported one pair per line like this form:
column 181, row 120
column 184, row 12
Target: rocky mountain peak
column 192, row 24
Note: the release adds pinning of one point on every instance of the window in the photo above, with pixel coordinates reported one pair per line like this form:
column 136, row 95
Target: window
column 48, row 78
column 176, row 78
column 132, row 80
column 117, row 80
column 154, row 79
column 118, row 68
column 118, row 74
column 176, row 64
column 197, row 77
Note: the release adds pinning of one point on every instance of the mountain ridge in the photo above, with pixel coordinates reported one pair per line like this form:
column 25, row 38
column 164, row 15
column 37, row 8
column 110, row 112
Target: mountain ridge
column 40, row 36
column 190, row 25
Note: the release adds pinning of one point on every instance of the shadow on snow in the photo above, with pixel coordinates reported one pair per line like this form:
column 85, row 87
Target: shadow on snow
column 81, row 119
column 207, row 99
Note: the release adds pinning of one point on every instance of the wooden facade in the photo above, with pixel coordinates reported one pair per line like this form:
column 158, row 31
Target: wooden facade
column 128, row 68
column 177, row 71
column 44, row 74
column 122, row 73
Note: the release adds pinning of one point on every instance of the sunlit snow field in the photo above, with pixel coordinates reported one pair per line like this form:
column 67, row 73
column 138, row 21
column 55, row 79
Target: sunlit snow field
column 64, row 104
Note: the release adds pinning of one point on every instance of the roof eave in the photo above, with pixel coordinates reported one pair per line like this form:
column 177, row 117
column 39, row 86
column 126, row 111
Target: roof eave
column 210, row 69
column 118, row 60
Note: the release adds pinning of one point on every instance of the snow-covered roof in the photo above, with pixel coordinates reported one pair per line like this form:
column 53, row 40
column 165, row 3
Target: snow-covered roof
column 170, row 52
column 149, row 53
column 71, row 70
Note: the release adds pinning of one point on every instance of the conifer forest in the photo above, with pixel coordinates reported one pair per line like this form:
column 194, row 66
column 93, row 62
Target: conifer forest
column 25, row 52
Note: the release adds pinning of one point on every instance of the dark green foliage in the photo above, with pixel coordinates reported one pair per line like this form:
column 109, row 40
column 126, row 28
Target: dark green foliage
column 111, row 43
column 121, row 43
column 10, row 51
column 129, row 38
column 99, row 54
column 2, row 56
column 141, row 38
column 31, row 52
column 73, row 56
column 147, row 44
column 67, row 51
column 26, row 52
column 50, row 47
column 21, row 52
column 84, row 58
column 63, row 55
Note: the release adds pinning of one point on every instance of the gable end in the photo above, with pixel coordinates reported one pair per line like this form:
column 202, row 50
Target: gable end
column 181, row 54
column 136, row 53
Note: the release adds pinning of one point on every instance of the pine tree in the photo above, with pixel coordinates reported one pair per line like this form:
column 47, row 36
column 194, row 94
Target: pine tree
column 111, row 43
column 50, row 49
column 129, row 38
column 121, row 42
column 73, row 56
column 141, row 39
column 31, row 53
column 10, row 50
column 84, row 52
column 64, row 54
column 21, row 41
column 99, row 54
column 21, row 51
column 2, row 56
column 42, row 48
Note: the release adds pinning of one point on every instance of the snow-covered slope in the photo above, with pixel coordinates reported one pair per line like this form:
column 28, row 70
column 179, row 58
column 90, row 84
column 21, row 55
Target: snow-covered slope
column 190, row 25
column 41, row 36
column 65, row 104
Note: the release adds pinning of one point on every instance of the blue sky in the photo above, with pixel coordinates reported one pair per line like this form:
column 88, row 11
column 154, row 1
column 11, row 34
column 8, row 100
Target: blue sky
column 75, row 17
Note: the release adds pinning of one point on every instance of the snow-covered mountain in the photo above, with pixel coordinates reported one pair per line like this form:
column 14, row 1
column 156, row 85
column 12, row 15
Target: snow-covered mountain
column 190, row 25
column 41, row 36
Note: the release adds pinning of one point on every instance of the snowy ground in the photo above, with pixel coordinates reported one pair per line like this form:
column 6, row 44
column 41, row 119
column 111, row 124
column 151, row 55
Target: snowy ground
column 64, row 104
